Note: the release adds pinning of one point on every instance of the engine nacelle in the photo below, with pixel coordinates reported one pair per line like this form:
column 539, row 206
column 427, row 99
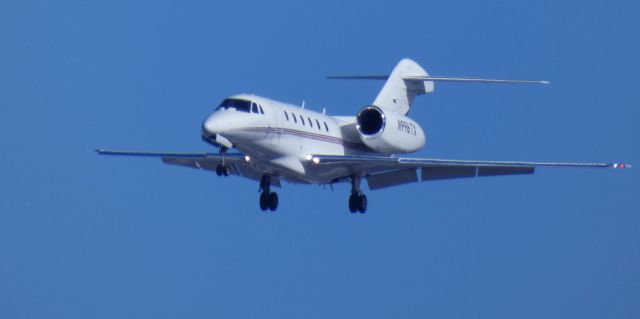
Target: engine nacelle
column 389, row 132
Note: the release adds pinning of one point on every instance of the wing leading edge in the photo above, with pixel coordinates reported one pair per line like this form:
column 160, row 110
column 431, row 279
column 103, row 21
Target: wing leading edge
column 391, row 171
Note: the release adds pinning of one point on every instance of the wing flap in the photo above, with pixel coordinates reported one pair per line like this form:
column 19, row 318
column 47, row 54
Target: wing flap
column 181, row 161
column 392, row 178
column 430, row 173
column 506, row 170
column 208, row 164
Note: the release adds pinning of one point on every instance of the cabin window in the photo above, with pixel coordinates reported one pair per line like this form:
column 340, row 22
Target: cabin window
column 302, row 120
column 286, row 115
column 294, row 118
column 260, row 107
column 310, row 123
column 236, row 104
column 326, row 127
column 318, row 123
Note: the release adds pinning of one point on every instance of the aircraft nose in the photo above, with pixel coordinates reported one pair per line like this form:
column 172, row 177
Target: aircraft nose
column 213, row 125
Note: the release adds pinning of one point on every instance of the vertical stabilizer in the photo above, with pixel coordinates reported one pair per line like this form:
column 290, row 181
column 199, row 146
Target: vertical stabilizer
column 398, row 92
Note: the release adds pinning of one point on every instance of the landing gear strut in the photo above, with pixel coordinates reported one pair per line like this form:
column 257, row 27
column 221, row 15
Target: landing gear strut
column 268, row 199
column 222, row 169
column 357, row 200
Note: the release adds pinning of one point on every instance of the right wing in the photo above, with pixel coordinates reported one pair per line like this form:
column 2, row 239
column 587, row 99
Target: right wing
column 206, row 161
column 383, row 171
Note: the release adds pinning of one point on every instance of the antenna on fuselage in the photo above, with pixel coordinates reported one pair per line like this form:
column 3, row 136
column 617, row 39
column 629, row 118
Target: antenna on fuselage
column 324, row 111
column 302, row 104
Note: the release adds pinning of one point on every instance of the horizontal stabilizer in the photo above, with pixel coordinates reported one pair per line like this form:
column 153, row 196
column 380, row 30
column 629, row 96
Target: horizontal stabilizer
column 470, row 80
column 357, row 77
column 436, row 79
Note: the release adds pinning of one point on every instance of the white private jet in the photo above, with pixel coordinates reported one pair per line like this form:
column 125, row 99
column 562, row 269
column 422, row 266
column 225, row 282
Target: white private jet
column 279, row 141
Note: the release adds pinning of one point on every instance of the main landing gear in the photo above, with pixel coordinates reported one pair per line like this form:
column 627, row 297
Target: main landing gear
column 222, row 170
column 268, row 199
column 357, row 200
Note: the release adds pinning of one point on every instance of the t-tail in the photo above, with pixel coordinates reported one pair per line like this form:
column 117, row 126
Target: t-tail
column 408, row 79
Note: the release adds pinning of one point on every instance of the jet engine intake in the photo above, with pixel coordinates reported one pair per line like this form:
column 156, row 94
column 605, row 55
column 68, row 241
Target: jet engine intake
column 370, row 121
column 388, row 132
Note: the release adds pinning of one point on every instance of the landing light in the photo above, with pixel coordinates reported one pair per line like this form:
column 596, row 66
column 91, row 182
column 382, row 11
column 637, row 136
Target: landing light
column 247, row 158
column 312, row 159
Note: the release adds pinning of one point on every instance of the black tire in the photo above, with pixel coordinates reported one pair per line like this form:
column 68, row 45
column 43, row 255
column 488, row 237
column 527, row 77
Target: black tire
column 362, row 203
column 219, row 170
column 273, row 201
column 226, row 170
column 264, row 201
column 353, row 203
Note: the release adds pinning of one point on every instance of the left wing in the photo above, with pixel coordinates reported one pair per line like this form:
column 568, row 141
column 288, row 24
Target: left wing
column 207, row 161
column 382, row 171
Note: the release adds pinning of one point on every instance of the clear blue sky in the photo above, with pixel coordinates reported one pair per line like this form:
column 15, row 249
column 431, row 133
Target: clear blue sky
column 83, row 236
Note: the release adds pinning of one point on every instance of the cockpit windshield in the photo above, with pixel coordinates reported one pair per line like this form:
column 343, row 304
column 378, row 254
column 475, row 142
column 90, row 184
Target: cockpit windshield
column 239, row 105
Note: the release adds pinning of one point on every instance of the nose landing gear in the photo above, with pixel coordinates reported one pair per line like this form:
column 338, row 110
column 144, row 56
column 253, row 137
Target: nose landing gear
column 268, row 199
column 222, row 169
